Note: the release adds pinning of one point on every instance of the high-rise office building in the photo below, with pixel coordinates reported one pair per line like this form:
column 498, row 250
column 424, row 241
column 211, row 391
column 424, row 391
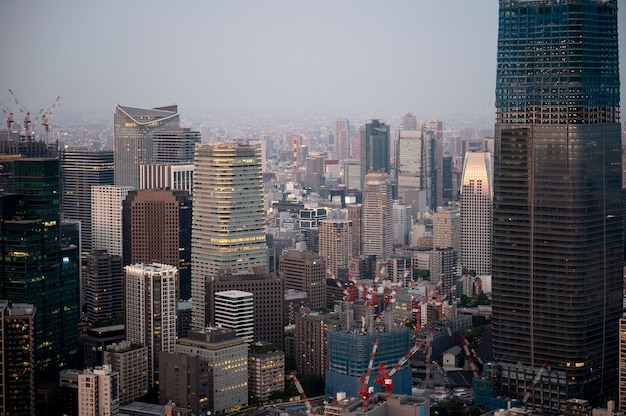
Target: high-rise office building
column 376, row 231
column 433, row 136
column 314, row 172
column 375, row 149
column 184, row 381
column 36, row 269
column 355, row 212
column 311, row 341
column 401, row 223
column 228, row 232
column 151, row 310
column 130, row 361
column 95, row 342
column 17, row 359
column 173, row 146
column 106, row 217
column 342, row 139
column 409, row 161
column 476, row 212
column 132, row 140
column 336, row 245
column 158, row 230
column 447, row 229
column 80, row 170
column 408, row 123
column 104, row 286
column 305, row 271
column 557, row 227
column 176, row 177
column 98, row 392
column 234, row 309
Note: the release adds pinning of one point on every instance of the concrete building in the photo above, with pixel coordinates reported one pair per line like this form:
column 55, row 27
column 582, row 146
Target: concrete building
column 234, row 309
column 336, row 245
column 314, row 172
column 305, row 271
column 132, row 140
column 311, row 341
column 80, row 170
column 158, row 230
column 342, row 139
column 98, row 392
column 268, row 303
column 130, row 361
column 376, row 231
column 151, row 310
column 184, row 381
column 175, row 177
column 355, row 212
column 476, row 212
column 228, row 217
column 226, row 356
column 447, row 229
column 401, row 223
column 95, row 342
column 104, row 286
column 17, row 358
column 266, row 370
column 106, row 218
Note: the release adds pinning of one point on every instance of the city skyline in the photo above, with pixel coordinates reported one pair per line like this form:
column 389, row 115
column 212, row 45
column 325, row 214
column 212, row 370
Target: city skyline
column 253, row 57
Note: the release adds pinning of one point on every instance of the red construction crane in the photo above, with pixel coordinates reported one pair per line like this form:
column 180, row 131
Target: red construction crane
column 364, row 389
column 9, row 115
column 542, row 370
column 384, row 376
column 429, row 352
column 349, row 294
column 309, row 408
column 45, row 116
column 469, row 357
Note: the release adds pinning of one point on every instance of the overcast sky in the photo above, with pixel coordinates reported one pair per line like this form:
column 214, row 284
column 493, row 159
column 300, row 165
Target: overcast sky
column 253, row 56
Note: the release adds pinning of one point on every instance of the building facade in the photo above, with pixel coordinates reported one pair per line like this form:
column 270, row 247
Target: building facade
column 557, row 239
column 150, row 314
column 80, row 170
column 98, row 392
column 130, row 361
column 476, row 212
column 234, row 309
column 305, row 271
column 266, row 370
column 106, row 217
column 375, row 153
column 377, row 216
column 228, row 232
column 132, row 142
column 104, row 286
column 335, row 245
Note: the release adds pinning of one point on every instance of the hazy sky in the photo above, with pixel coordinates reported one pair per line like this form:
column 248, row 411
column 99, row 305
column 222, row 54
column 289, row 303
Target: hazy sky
column 324, row 56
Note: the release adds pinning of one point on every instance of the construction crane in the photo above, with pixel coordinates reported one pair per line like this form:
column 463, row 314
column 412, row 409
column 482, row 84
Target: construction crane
column 309, row 408
column 349, row 294
column 28, row 133
column 469, row 357
column 429, row 352
column 364, row 389
column 9, row 115
column 384, row 376
column 45, row 116
column 542, row 370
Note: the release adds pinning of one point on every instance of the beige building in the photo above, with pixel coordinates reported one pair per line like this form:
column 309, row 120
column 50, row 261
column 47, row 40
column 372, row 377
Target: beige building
column 130, row 361
column 336, row 245
column 376, row 231
column 266, row 370
column 304, row 271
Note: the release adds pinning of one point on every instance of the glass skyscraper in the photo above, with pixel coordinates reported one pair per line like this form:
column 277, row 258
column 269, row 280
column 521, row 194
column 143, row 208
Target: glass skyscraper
column 557, row 227
column 375, row 156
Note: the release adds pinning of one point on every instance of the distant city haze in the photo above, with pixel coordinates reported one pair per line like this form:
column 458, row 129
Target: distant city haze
column 433, row 58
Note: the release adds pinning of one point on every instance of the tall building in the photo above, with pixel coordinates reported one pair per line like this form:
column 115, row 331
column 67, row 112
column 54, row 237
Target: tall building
column 36, row 269
column 305, row 271
column 376, row 231
column 314, row 172
column 130, row 361
column 311, row 341
column 106, row 217
column 342, row 139
column 132, row 140
column 17, row 359
column 476, row 212
column 409, row 161
column 557, row 227
column 184, row 381
column 266, row 370
column 104, row 286
column 151, row 310
column 621, row 403
column 173, row 146
column 228, row 231
column 375, row 153
column 269, row 295
column 98, row 392
column 95, row 342
column 176, row 177
column 336, row 245
column 433, row 135
column 447, row 229
column 158, row 230
column 80, row 170
column 408, row 122
column 355, row 213
column 402, row 221
column 227, row 358
column 234, row 309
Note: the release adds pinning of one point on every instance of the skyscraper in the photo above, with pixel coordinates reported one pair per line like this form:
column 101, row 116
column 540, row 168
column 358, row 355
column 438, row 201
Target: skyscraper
column 304, row 271
column 228, row 231
column 376, row 231
column 151, row 310
column 132, row 140
column 80, row 170
column 234, row 309
column 106, row 217
column 375, row 153
column 104, row 286
column 336, row 245
column 35, row 268
column 342, row 138
column 557, row 227
column 98, row 392
column 476, row 212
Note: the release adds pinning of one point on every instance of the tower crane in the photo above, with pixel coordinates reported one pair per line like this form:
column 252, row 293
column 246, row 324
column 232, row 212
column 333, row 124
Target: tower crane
column 542, row 370
column 45, row 116
column 9, row 115
column 349, row 294
column 429, row 352
column 469, row 357
column 28, row 133
column 309, row 408
column 384, row 376
column 364, row 390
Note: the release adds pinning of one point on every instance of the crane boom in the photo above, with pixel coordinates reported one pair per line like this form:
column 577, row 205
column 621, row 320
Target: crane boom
column 364, row 388
column 535, row 380
column 309, row 408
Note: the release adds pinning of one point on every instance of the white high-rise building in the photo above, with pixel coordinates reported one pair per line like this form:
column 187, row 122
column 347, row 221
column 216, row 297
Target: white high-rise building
column 376, row 229
column 106, row 217
column 476, row 212
column 98, row 392
column 447, row 229
column 228, row 230
column 176, row 177
column 401, row 214
column 409, row 162
column 151, row 310
column 234, row 309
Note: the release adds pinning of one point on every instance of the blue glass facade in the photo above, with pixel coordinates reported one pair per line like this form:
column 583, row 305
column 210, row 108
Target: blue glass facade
column 557, row 245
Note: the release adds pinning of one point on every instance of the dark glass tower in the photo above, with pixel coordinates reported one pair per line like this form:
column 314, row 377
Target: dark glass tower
column 557, row 242
column 375, row 154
